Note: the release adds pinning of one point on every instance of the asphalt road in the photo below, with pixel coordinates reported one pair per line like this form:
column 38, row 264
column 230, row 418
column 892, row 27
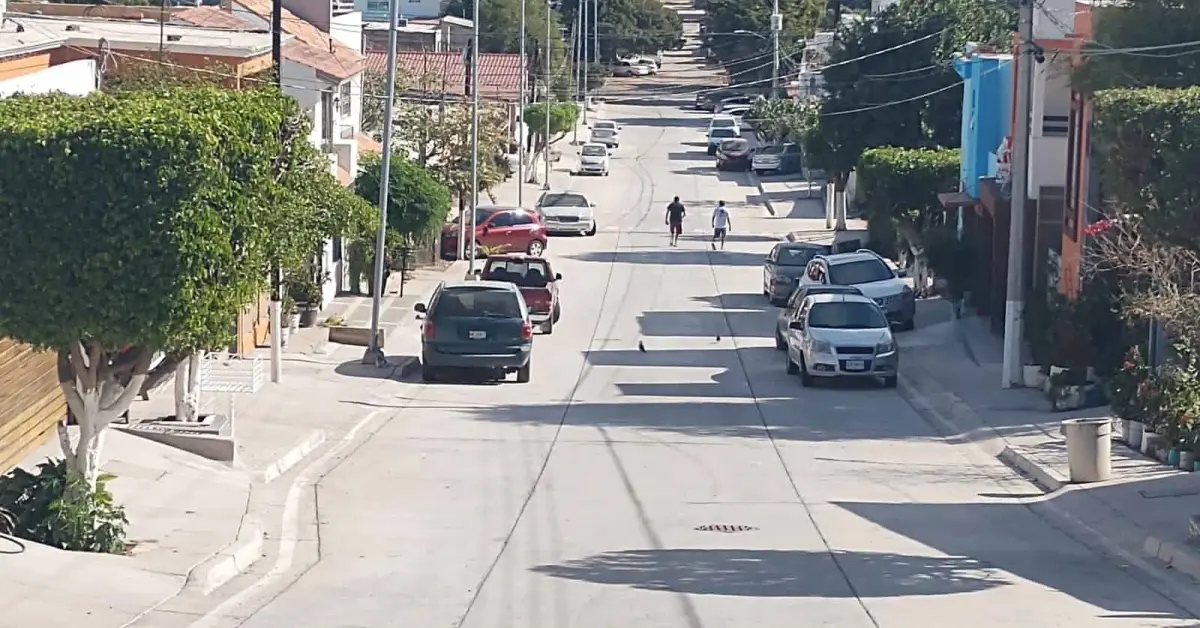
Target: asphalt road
column 576, row 501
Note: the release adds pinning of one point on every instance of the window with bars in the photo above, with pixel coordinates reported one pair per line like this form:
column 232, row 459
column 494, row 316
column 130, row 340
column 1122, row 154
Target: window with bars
column 345, row 99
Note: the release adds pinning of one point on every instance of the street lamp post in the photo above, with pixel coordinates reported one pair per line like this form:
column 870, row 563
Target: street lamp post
column 546, row 139
column 776, row 28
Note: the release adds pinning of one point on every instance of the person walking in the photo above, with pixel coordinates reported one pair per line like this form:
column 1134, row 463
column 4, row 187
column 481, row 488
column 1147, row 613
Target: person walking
column 721, row 225
column 675, row 214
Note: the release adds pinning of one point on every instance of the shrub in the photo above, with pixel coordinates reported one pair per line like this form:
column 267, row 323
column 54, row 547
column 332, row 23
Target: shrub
column 55, row 506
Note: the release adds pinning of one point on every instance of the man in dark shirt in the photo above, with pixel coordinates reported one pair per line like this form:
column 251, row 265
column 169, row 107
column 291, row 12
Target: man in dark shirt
column 675, row 214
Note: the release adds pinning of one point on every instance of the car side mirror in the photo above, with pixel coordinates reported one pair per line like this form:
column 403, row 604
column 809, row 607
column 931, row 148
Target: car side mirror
column 797, row 325
column 591, row 204
column 557, row 276
column 420, row 308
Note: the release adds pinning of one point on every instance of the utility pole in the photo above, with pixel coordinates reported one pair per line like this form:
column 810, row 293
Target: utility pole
column 577, row 54
column 547, row 103
column 584, row 74
column 1014, row 302
column 595, row 30
column 374, row 354
column 776, row 27
column 474, row 132
column 275, row 307
column 522, row 129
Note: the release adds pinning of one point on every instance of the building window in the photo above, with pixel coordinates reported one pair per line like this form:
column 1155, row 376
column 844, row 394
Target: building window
column 327, row 115
column 1071, row 208
column 344, row 99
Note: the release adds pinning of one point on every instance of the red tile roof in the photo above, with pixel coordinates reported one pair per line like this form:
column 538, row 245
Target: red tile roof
column 499, row 74
column 309, row 47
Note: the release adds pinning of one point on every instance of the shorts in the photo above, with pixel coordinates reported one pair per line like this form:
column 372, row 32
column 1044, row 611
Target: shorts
column 676, row 227
column 719, row 232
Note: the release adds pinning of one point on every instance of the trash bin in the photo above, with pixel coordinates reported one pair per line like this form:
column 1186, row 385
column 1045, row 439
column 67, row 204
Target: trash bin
column 1089, row 449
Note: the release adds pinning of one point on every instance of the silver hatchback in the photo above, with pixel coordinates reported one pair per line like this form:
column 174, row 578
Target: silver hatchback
column 841, row 335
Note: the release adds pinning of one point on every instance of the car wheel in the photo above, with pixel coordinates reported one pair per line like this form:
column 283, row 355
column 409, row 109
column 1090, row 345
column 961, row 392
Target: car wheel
column 537, row 247
column 792, row 369
column 758, row 172
column 556, row 313
column 428, row 373
column 592, row 231
column 890, row 381
column 523, row 373
column 548, row 326
column 479, row 254
column 806, row 380
column 908, row 325
column 779, row 342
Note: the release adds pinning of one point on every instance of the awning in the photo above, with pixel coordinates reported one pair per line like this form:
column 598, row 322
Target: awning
column 955, row 200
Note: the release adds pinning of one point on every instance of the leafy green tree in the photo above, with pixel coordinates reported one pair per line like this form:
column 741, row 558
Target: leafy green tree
column 741, row 35
column 782, row 120
column 418, row 204
column 888, row 83
column 563, row 119
column 899, row 189
column 1141, row 24
column 629, row 26
column 164, row 248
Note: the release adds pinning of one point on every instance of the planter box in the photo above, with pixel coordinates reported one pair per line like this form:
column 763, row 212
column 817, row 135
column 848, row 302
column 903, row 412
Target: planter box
column 1033, row 377
column 355, row 336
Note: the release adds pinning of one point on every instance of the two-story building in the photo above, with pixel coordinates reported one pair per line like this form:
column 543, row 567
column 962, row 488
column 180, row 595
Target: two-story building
column 378, row 11
column 444, row 34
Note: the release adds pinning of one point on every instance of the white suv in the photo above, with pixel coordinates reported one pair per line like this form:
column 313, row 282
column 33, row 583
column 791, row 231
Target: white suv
column 873, row 276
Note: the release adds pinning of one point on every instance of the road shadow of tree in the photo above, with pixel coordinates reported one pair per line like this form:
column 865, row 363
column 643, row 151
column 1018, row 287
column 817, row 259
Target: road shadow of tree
column 780, row 573
column 672, row 257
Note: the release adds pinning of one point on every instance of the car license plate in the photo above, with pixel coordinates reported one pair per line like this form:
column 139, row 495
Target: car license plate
column 855, row 365
column 480, row 335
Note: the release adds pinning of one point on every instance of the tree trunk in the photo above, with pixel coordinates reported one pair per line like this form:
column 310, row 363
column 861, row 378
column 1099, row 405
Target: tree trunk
column 187, row 388
column 99, row 387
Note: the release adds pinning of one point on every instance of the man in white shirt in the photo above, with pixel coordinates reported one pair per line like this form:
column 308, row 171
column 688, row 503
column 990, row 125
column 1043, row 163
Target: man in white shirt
column 721, row 224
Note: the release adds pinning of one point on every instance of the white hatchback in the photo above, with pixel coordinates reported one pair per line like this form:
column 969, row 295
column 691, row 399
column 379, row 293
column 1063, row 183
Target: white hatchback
column 606, row 132
column 593, row 159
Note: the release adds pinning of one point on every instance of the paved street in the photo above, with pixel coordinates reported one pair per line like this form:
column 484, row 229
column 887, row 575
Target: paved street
column 576, row 501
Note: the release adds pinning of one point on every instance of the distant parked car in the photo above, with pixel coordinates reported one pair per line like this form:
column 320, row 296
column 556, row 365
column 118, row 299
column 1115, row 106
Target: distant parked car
column 707, row 101
column 537, row 281
column 500, row 229
column 779, row 159
column 841, row 335
column 734, row 155
column 473, row 325
column 716, row 136
column 741, row 99
column 785, row 265
column 788, row 313
column 629, row 68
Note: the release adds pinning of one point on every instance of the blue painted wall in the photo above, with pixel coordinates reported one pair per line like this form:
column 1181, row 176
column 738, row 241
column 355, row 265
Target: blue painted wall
column 987, row 105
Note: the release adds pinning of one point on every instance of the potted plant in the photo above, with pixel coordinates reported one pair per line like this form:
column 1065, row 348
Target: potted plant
column 1123, row 394
column 306, row 293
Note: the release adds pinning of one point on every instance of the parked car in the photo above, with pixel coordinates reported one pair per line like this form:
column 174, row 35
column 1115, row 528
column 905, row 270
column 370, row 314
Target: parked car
column 593, row 159
column 500, row 229
column 537, row 282
column 734, row 155
column 707, row 101
column 788, row 313
column 784, row 266
column 473, row 325
column 721, row 121
column 740, row 99
column 629, row 68
column 650, row 62
column 568, row 213
column 738, row 112
column 778, row 159
column 606, row 132
column 841, row 335
column 870, row 273
column 716, row 136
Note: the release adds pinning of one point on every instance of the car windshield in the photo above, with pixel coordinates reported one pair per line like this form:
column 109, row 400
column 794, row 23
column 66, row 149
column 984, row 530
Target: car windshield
column 846, row 315
column 478, row 301
column 529, row 273
column 723, row 123
column 797, row 256
column 718, row 133
column 563, row 200
column 865, row 271
column 594, row 151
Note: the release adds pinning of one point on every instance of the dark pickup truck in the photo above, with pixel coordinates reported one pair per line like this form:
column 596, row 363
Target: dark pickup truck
column 537, row 281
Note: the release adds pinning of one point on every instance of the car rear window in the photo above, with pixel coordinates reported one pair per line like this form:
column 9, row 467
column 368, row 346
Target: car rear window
column 719, row 133
column 865, row 271
column 846, row 315
column 723, row 123
column 528, row 273
column 798, row 256
column 478, row 301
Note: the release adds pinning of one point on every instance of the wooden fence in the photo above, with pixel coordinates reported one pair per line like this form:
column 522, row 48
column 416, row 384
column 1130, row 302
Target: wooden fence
column 31, row 401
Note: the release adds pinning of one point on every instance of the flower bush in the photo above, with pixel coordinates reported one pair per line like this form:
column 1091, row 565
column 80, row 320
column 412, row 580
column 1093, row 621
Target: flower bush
column 1127, row 385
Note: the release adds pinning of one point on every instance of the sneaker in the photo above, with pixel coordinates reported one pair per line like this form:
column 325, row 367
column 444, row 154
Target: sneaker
column 714, row 246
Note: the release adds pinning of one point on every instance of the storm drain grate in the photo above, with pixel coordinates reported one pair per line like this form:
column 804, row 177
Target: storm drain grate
column 724, row 527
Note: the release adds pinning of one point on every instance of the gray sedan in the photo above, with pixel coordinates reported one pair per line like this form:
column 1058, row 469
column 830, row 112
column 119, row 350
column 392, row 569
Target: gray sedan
column 783, row 267
column 789, row 311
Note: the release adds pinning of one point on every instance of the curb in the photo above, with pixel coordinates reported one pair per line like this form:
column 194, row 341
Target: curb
column 957, row 421
column 766, row 202
column 235, row 559
column 408, row 365
column 293, row 457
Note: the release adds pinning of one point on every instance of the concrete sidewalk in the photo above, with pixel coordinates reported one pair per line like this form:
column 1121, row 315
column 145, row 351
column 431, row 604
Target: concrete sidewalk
column 198, row 524
column 951, row 373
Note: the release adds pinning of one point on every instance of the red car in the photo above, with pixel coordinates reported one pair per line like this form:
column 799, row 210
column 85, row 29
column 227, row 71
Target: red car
column 502, row 229
column 537, row 281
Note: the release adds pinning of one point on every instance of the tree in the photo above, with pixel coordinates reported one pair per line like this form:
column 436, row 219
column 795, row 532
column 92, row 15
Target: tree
column 418, row 204
column 782, row 120
column 161, row 252
column 899, row 190
column 503, row 30
column 741, row 35
column 888, row 84
column 440, row 139
column 630, row 26
column 563, row 119
column 1141, row 24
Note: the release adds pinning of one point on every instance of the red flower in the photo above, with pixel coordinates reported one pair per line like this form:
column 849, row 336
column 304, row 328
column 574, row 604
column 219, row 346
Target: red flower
column 1098, row 227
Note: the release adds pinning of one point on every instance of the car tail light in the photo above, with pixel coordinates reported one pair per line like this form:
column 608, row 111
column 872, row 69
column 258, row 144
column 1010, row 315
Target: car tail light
column 429, row 329
column 527, row 331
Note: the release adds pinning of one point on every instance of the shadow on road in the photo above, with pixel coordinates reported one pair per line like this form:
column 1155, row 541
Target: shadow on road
column 691, row 155
column 670, row 122
column 672, row 257
column 780, row 573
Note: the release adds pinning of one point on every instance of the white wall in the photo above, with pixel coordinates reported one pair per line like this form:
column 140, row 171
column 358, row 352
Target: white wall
column 1051, row 95
column 76, row 78
column 347, row 30
column 377, row 10
column 1051, row 18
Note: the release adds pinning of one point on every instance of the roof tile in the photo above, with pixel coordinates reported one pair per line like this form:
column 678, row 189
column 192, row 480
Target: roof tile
column 499, row 74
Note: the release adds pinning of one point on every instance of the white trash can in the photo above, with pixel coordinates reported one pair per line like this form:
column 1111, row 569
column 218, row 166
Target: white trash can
column 1089, row 449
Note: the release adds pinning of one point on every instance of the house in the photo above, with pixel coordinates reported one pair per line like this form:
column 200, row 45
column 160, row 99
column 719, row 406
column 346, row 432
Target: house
column 49, row 53
column 379, row 10
column 444, row 34
column 981, row 201
column 323, row 71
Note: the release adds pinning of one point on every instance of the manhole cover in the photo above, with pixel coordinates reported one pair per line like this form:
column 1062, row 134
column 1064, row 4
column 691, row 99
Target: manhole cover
column 724, row 527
